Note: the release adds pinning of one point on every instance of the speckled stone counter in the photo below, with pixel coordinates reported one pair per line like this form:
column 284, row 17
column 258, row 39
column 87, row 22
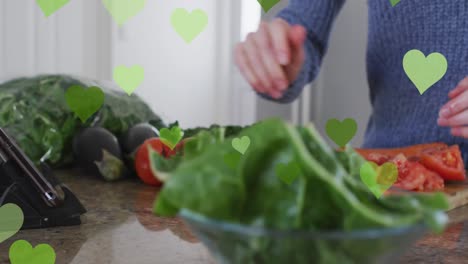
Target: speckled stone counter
column 120, row 228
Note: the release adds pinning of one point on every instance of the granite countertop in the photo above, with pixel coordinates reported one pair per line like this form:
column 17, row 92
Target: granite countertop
column 120, row 228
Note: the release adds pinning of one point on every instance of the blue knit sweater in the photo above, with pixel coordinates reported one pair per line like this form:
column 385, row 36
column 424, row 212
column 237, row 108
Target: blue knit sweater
column 400, row 115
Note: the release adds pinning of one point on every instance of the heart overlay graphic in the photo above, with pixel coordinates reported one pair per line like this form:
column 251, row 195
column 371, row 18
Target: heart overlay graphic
column 288, row 172
column 49, row 7
column 189, row 25
column 424, row 71
column 129, row 78
column 378, row 178
column 11, row 220
column 171, row 137
column 341, row 132
column 394, row 2
column 123, row 10
column 84, row 102
column 241, row 144
column 21, row 252
column 267, row 4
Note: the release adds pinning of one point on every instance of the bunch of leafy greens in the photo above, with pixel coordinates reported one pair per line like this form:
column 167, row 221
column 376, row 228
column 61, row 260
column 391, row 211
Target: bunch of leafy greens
column 328, row 196
column 35, row 113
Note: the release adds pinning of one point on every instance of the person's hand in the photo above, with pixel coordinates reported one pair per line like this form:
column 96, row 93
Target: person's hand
column 272, row 58
column 454, row 113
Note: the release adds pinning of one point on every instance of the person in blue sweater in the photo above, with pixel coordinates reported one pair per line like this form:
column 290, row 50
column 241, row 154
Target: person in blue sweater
column 285, row 54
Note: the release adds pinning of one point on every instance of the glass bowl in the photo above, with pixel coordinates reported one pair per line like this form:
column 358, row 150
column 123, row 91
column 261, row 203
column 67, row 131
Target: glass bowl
column 231, row 243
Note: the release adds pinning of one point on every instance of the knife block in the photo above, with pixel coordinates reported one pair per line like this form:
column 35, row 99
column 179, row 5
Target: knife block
column 18, row 189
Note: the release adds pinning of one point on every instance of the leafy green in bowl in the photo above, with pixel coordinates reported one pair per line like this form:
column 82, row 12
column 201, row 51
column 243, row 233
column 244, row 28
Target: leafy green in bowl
column 327, row 197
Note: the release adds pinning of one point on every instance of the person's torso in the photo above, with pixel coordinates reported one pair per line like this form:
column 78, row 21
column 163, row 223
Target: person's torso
column 401, row 115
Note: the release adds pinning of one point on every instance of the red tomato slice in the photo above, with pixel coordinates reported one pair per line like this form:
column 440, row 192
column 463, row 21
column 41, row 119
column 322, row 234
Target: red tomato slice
column 410, row 175
column 413, row 176
column 378, row 158
column 142, row 159
column 447, row 163
column 433, row 182
column 142, row 163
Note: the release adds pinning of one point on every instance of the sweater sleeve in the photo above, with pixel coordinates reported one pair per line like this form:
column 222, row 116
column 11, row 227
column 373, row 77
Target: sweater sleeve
column 317, row 17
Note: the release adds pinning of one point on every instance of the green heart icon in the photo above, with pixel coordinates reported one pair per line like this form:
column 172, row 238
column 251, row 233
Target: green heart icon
column 21, row 252
column 123, row 10
column 378, row 179
column 189, row 25
column 171, row 137
column 84, row 102
column 49, row 7
column 232, row 159
column 11, row 220
column 424, row 71
column 129, row 78
column 241, row 144
column 268, row 4
column 341, row 132
column 394, row 2
column 288, row 172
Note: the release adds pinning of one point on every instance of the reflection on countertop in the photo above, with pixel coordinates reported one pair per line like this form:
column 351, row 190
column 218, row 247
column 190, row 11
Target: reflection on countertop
column 451, row 247
column 120, row 228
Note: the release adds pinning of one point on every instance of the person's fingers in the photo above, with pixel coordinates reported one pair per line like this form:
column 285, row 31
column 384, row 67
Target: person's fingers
column 460, row 119
column 461, row 87
column 454, row 106
column 253, row 54
column 297, row 36
column 460, row 131
column 245, row 68
column 275, row 72
column 279, row 36
column 271, row 58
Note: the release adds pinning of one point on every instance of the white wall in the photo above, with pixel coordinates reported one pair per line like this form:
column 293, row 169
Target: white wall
column 180, row 78
column 186, row 82
column 194, row 83
column 70, row 41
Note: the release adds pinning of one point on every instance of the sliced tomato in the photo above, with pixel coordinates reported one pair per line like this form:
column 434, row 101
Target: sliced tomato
column 433, row 182
column 409, row 174
column 421, row 167
column 142, row 163
column 412, row 176
column 378, row 158
column 448, row 163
